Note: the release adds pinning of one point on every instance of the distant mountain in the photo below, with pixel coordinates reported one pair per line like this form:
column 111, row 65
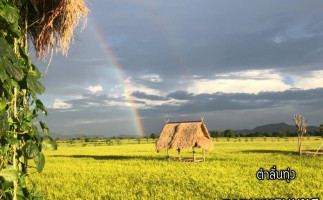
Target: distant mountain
column 274, row 128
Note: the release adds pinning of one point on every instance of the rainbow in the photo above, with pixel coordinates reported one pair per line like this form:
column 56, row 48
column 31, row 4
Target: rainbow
column 111, row 58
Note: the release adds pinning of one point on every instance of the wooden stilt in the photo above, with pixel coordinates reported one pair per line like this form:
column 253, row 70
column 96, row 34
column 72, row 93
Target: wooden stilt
column 203, row 154
column 179, row 154
column 193, row 154
column 318, row 149
column 168, row 155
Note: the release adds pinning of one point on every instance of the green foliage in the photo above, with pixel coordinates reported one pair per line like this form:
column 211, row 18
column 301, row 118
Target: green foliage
column 40, row 161
column 228, row 133
column 20, row 139
column 48, row 143
column 153, row 136
column 216, row 134
column 9, row 173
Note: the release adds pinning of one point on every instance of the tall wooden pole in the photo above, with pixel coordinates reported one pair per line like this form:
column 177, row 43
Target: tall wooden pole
column 168, row 155
column 179, row 154
column 193, row 154
column 203, row 154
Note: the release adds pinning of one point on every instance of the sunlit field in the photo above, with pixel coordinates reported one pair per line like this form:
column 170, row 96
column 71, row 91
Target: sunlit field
column 128, row 170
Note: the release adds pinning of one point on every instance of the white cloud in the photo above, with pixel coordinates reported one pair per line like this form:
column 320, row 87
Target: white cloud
column 152, row 78
column 59, row 104
column 118, row 103
column 250, row 81
column 279, row 39
column 131, row 86
column 310, row 80
column 95, row 89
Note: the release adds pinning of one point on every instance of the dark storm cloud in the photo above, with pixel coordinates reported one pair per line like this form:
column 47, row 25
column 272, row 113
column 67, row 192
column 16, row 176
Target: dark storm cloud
column 180, row 95
column 237, row 101
column 142, row 95
column 216, row 36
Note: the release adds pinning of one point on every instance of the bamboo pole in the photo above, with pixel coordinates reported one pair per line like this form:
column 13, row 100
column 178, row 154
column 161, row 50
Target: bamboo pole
column 318, row 149
column 179, row 154
column 203, row 154
column 168, row 155
column 15, row 184
column 193, row 155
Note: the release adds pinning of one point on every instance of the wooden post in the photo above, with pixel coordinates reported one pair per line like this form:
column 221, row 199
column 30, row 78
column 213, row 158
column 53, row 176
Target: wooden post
column 168, row 155
column 179, row 154
column 203, row 154
column 193, row 155
column 318, row 149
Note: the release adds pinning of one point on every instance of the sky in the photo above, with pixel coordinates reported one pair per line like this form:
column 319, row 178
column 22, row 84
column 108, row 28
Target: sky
column 238, row 64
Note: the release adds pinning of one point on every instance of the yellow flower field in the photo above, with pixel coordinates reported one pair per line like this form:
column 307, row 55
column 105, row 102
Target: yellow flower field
column 136, row 171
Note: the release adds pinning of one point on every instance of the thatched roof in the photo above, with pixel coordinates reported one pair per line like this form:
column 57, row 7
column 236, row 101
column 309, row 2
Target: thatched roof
column 51, row 23
column 184, row 135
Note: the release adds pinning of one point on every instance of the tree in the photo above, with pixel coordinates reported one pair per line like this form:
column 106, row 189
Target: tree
column 153, row 136
column 301, row 130
column 321, row 129
column 228, row 133
column 215, row 134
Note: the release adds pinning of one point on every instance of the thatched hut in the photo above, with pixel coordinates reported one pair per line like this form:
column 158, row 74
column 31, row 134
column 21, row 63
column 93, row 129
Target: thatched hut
column 184, row 135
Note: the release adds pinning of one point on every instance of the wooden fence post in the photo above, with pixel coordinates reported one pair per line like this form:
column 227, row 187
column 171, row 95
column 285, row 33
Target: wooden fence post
column 179, row 154
column 168, row 155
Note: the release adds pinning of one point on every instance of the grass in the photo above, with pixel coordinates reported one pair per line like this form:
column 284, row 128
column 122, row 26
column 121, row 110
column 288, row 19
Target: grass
column 135, row 171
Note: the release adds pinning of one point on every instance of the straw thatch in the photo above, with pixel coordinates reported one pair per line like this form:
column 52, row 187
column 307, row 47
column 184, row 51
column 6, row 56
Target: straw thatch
column 184, row 135
column 51, row 23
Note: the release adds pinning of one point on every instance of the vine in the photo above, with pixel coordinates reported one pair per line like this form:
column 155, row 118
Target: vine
column 20, row 140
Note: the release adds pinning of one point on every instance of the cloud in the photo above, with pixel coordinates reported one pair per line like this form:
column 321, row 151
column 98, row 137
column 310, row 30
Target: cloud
column 59, row 104
column 262, row 57
column 181, row 95
column 250, row 81
column 152, row 78
column 142, row 95
column 95, row 89
column 309, row 80
column 219, row 102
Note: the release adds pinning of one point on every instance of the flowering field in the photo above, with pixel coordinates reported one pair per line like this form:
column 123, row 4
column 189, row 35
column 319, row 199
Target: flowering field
column 128, row 170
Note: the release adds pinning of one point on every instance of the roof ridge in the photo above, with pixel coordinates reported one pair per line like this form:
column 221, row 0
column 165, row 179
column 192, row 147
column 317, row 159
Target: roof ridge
column 183, row 122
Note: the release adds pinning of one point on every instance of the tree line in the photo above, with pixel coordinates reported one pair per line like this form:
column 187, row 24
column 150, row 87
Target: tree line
column 230, row 133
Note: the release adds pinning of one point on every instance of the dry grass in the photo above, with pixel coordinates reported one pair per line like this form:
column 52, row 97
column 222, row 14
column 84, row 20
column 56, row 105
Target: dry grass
column 52, row 24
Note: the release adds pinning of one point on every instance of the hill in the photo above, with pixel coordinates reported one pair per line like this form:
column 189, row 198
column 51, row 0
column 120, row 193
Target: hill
column 274, row 128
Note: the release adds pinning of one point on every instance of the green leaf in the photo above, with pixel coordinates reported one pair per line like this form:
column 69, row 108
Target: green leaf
column 7, row 51
column 11, row 14
column 3, row 104
column 25, row 126
column 30, row 150
column 48, row 143
column 22, row 181
column 9, row 173
column 35, row 85
column 43, row 127
column 35, row 72
column 39, row 161
column 14, row 72
column 13, row 141
column 3, row 73
column 41, row 106
column 37, row 195
column 3, row 122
